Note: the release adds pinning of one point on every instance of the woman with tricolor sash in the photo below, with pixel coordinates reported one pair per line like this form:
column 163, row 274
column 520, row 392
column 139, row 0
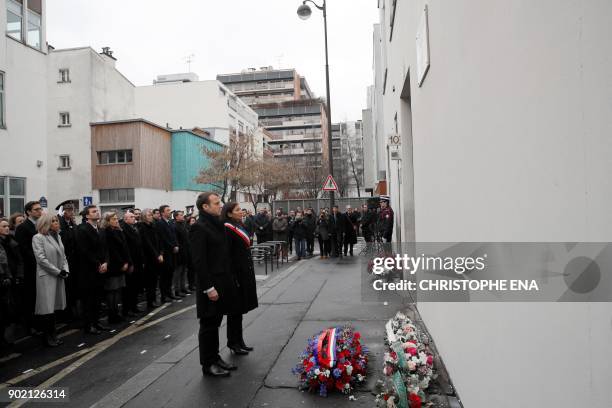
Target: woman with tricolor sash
column 241, row 265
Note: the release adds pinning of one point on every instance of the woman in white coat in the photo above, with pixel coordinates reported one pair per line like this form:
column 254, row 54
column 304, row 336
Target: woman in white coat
column 51, row 271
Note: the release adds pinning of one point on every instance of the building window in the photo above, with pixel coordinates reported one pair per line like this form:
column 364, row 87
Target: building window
column 2, row 110
column 34, row 23
column 64, row 162
column 64, row 119
column 14, row 18
column 115, row 157
column 64, row 75
column 12, row 195
column 117, row 195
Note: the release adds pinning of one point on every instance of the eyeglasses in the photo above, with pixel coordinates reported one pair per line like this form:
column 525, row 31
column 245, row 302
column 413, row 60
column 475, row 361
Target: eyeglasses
column 37, row 209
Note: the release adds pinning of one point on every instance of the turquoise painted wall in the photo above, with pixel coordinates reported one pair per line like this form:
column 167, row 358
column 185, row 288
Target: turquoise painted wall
column 188, row 160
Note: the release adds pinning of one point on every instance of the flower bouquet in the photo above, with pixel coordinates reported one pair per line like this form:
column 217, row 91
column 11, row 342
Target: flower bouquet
column 408, row 365
column 334, row 359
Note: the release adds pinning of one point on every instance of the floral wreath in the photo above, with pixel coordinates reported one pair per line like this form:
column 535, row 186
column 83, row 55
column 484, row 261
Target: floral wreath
column 408, row 365
column 334, row 359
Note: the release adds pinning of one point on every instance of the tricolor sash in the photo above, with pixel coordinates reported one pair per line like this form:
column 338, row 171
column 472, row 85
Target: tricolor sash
column 326, row 348
column 238, row 231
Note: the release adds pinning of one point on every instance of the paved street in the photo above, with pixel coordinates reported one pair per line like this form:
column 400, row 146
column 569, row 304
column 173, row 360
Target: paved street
column 154, row 362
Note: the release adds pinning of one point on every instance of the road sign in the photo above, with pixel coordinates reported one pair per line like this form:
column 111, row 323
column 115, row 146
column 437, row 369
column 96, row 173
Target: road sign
column 87, row 201
column 43, row 202
column 395, row 140
column 330, row 184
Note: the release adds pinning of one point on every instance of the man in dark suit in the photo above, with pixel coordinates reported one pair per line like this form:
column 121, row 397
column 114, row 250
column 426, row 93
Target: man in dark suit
column 24, row 234
column 217, row 293
column 337, row 225
column 93, row 264
column 170, row 247
column 133, row 278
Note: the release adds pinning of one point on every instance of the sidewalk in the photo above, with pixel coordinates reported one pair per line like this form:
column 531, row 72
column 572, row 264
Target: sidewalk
column 294, row 304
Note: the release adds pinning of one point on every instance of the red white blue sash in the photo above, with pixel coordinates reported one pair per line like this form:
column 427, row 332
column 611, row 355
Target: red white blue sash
column 238, row 231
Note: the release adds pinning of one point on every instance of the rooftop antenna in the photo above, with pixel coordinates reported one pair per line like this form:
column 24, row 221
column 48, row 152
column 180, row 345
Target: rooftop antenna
column 189, row 59
column 279, row 59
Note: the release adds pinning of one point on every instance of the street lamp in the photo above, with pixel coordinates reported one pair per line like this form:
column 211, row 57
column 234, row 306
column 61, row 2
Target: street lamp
column 304, row 12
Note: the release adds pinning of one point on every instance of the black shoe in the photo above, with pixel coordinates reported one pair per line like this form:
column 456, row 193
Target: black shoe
column 91, row 330
column 238, row 350
column 101, row 327
column 129, row 313
column 174, row 297
column 152, row 305
column 115, row 319
column 245, row 347
column 50, row 341
column 215, row 370
column 225, row 365
column 179, row 294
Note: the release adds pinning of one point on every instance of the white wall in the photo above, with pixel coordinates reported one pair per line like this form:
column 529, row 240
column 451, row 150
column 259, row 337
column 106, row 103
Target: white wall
column 191, row 104
column 24, row 142
column 511, row 142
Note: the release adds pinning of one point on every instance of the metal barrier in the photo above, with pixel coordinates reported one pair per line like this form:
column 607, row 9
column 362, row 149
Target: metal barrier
column 318, row 203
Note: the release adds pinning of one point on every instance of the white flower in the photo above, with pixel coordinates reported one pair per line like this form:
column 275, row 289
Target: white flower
column 327, row 373
column 349, row 369
column 317, row 371
column 360, row 377
column 391, row 402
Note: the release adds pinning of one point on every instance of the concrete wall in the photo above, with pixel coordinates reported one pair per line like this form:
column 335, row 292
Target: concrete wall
column 24, row 141
column 511, row 142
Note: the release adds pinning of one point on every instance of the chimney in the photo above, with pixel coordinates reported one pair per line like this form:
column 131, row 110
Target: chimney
column 107, row 54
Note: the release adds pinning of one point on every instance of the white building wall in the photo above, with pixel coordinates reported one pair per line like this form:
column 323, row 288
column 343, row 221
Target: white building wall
column 97, row 91
column 23, row 143
column 511, row 142
column 204, row 104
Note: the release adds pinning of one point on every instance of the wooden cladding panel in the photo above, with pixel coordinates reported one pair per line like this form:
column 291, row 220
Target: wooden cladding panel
column 151, row 156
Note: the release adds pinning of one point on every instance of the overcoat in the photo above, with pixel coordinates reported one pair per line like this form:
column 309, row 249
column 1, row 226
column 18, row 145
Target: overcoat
column 50, row 261
column 91, row 253
column 211, row 263
column 241, row 265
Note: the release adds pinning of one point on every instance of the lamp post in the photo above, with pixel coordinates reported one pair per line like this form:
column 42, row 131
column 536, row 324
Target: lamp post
column 304, row 12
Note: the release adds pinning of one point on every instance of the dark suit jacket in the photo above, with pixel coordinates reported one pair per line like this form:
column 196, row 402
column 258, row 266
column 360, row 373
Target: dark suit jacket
column 134, row 244
column 24, row 234
column 337, row 224
column 91, row 253
column 167, row 235
column 211, row 263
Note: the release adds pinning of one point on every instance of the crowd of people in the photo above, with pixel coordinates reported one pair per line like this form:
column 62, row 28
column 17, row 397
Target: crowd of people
column 51, row 266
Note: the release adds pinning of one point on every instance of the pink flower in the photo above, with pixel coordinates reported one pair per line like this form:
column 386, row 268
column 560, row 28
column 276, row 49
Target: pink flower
column 430, row 360
column 412, row 351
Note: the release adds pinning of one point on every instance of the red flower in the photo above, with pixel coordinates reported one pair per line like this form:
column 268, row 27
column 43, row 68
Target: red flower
column 386, row 397
column 430, row 360
column 415, row 401
column 412, row 351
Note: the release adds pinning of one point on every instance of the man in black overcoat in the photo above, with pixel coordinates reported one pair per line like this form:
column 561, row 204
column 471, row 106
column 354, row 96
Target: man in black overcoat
column 337, row 225
column 92, row 265
column 216, row 287
column 134, row 276
column 170, row 247
column 24, row 234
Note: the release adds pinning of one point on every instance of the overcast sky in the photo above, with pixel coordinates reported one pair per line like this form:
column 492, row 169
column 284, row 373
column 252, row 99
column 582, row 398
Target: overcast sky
column 151, row 37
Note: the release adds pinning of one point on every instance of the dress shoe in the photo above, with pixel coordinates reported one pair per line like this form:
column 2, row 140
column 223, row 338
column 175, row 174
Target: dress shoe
column 50, row 341
column 174, row 297
column 115, row 319
column 102, row 327
column 238, row 350
column 225, row 365
column 215, row 371
column 245, row 347
column 92, row 330
column 179, row 294
column 129, row 313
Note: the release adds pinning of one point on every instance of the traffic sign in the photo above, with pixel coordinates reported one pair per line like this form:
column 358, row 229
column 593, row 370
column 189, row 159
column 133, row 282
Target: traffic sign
column 43, row 202
column 330, row 184
column 87, row 201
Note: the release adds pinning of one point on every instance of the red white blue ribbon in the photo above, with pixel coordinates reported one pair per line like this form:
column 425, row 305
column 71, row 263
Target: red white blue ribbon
column 326, row 348
column 240, row 233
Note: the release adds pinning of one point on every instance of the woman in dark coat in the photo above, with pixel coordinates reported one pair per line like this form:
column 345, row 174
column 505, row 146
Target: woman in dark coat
column 242, row 269
column 350, row 230
column 119, row 261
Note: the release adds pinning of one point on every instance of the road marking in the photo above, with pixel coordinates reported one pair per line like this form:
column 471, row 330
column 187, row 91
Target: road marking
column 9, row 357
column 94, row 351
column 143, row 351
column 67, row 358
